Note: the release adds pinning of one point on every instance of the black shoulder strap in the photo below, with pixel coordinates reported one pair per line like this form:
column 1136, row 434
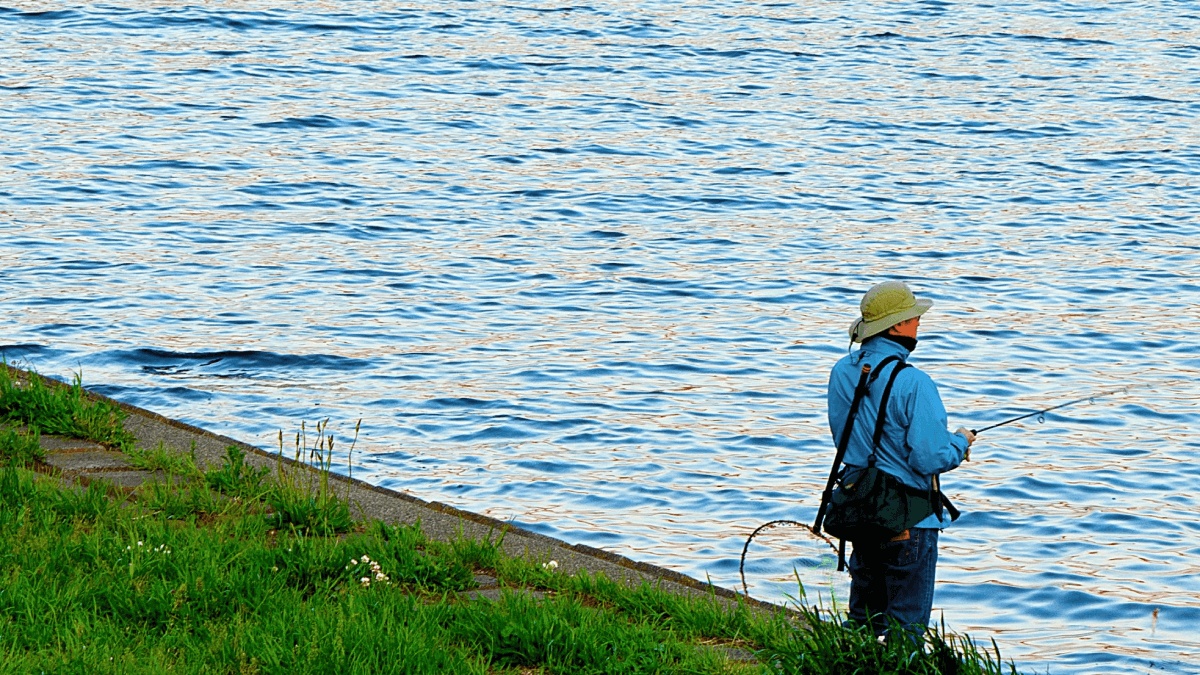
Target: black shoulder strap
column 935, row 489
column 860, row 392
column 883, row 402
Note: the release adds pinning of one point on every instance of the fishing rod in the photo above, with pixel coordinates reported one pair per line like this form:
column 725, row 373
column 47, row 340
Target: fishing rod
column 813, row 537
column 1041, row 413
column 812, row 534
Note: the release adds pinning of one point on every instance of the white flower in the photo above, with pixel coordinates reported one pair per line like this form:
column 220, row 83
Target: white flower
column 353, row 561
column 552, row 565
column 366, row 559
column 365, row 581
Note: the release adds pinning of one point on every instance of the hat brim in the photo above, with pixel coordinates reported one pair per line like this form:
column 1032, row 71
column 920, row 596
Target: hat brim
column 861, row 330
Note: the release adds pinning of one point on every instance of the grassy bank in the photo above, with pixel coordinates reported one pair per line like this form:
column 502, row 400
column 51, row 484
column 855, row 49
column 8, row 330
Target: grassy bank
column 225, row 569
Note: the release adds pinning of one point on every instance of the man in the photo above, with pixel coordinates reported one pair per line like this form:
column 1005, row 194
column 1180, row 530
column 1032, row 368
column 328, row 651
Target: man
column 893, row 581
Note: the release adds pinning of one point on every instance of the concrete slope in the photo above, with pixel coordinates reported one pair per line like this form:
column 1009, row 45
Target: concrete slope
column 81, row 460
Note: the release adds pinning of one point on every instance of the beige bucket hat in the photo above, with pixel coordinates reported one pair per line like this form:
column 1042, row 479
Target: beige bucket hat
column 885, row 305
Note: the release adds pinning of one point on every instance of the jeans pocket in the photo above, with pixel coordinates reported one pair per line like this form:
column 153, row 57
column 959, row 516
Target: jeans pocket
column 900, row 554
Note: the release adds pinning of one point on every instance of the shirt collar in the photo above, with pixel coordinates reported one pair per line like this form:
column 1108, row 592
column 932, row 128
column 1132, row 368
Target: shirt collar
column 889, row 344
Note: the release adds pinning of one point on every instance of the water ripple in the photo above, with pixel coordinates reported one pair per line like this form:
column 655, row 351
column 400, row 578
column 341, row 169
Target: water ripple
column 586, row 267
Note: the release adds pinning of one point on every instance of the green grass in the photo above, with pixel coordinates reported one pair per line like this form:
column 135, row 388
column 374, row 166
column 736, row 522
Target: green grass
column 235, row 478
column 19, row 448
column 180, row 499
column 162, row 459
column 63, row 410
column 90, row 502
column 305, row 499
column 823, row 647
column 231, row 571
column 133, row 590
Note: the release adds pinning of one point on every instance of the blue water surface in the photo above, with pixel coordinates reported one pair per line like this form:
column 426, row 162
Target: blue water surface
column 586, row 266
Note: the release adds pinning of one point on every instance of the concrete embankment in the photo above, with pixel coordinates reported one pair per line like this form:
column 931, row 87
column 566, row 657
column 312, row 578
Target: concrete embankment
column 82, row 461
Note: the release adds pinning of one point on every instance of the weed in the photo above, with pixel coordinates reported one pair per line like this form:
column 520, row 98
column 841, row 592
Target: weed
column 824, row 646
column 400, row 546
column 90, row 503
column 485, row 554
column 63, row 410
column 20, row 449
column 16, row 489
column 235, row 478
column 563, row 635
column 179, row 500
column 161, row 459
column 304, row 500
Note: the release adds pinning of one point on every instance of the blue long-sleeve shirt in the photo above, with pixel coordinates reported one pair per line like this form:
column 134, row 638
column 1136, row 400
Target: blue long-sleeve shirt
column 916, row 443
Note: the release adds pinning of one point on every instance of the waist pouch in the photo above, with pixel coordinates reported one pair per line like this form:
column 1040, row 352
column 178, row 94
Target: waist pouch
column 871, row 506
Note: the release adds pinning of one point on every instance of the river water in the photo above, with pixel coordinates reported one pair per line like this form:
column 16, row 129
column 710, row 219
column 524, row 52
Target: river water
column 586, row 266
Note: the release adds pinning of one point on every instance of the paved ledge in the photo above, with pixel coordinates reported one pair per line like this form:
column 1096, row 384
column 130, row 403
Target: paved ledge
column 86, row 461
column 439, row 521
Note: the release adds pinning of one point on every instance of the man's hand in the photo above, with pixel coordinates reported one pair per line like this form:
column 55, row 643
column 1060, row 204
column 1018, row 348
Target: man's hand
column 970, row 439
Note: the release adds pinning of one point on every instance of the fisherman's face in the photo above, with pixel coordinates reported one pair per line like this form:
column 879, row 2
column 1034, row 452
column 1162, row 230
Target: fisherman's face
column 906, row 328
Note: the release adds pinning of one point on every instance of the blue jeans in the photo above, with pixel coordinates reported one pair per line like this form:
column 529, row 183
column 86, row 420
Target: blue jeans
column 893, row 582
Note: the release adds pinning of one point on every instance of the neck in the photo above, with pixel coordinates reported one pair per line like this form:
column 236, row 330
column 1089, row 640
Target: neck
column 909, row 343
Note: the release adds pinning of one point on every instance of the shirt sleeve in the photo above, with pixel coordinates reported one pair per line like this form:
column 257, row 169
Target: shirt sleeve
column 933, row 449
